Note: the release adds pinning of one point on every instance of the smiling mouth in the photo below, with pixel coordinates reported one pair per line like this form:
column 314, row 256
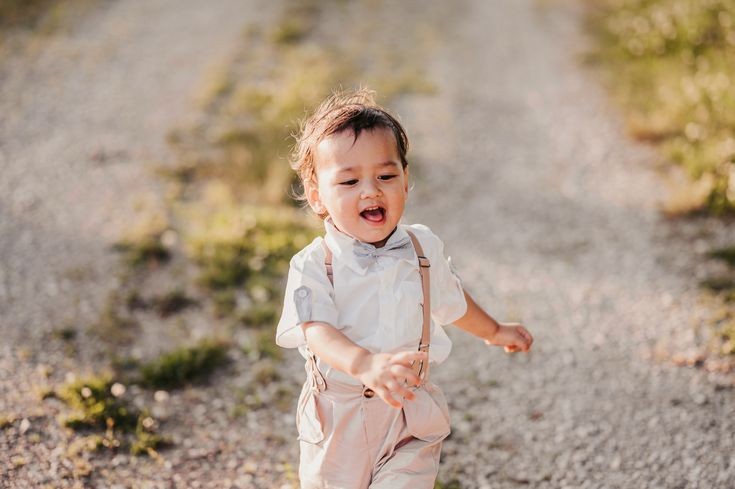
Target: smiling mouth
column 374, row 214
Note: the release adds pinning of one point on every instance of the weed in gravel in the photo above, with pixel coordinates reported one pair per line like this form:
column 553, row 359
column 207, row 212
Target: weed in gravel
column 6, row 420
column 171, row 302
column 134, row 301
column 148, row 251
column 262, row 345
column 726, row 254
column 719, row 284
column 224, row 302
column 265, row 373
column 259, row 315
column 65, row 333
column 450, row 484
column 99, row 403
column 290, row 30
column 185, row 365
column 147, row 441
column 112, row 326
column 95, row 405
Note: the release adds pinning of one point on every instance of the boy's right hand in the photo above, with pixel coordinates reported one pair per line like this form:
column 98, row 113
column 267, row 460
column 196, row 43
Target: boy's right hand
column 386, row 374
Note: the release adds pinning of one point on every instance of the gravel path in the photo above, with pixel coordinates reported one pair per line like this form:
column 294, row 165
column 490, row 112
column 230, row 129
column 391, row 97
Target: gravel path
column 85, row 114
column 551, row 216
column 549, row 212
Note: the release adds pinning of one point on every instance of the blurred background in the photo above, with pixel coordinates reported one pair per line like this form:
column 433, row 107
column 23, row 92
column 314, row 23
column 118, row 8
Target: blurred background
column 576, row 157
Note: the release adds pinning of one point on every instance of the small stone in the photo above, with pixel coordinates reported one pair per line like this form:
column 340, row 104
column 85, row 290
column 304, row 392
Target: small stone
column 161, row 396
column 24, row 426
column 699, row 399
column 117, row 389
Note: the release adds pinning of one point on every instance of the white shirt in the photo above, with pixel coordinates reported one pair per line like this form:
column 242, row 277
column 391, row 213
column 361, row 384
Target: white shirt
column 375, row 302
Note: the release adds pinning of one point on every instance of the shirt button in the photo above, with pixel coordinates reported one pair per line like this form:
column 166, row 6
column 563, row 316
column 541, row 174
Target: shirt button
column 368, row 392
column 303, row 293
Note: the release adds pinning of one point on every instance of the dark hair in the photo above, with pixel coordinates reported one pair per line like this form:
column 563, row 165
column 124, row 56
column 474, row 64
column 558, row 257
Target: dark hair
column 353, row 110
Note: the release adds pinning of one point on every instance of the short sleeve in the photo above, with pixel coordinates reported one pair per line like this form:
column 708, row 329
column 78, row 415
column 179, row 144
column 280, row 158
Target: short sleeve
column 309, row 296
column 448, row 302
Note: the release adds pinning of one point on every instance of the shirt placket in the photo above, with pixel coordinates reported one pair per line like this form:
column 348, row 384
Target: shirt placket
column 387, row 304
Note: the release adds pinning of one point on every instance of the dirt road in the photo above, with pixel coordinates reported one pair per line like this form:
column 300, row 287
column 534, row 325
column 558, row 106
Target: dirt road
column 523, row 169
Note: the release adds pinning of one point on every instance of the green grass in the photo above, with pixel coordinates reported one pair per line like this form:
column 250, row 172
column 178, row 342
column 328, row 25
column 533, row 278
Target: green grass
column 263, row 345
column 171, row 302
column 671, row 66
column 114, row 325
column 725, row 254
column 117, row 422
column 95, row 406
column 185, row 365
column 450, row 484
column 148, row 251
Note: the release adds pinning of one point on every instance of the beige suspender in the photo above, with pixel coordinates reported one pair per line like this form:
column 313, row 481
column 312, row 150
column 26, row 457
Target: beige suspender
column 421, row 369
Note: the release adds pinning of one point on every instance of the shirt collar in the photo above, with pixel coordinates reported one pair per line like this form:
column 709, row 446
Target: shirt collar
column 342, row 245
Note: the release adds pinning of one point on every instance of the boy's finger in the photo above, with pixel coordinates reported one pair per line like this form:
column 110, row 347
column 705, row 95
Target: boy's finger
column 385, row 396
column 405, row 372
column 406, row 357
column 524, row 332
column 396, row 388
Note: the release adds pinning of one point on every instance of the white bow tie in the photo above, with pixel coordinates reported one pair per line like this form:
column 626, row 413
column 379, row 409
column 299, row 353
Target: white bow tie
column 366, row 254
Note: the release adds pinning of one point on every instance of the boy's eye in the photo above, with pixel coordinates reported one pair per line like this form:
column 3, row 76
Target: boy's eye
column 387, row 177
column 348, row 182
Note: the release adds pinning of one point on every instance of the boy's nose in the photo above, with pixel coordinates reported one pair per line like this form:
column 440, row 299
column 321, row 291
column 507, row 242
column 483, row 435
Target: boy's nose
column 370, row 190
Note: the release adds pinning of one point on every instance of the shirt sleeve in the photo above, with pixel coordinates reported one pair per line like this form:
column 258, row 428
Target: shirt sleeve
column 309, row 296
column 448, row 302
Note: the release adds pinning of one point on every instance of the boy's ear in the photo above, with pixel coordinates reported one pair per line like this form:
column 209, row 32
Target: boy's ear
column 312, row 196
column 405, row 185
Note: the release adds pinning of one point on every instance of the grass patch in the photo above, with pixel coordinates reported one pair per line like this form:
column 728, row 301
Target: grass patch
column 725, row 254
column 6, row 420
column 114, row 325
column 260, row 315
column 450, row 484
column 148, row 251
column 670, row 64
column 265, row 373
column 100, row 405
column 171, row 302
column 95, row 405
column 263, row 345
column 184, row 365
column 242, row 247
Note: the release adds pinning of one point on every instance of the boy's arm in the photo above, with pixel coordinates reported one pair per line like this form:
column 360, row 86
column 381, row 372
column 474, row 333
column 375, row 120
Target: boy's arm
column 476, row 321
column 335, row 348
column 384, row 373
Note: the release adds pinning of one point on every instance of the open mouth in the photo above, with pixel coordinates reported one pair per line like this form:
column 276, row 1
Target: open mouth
column 374, row 214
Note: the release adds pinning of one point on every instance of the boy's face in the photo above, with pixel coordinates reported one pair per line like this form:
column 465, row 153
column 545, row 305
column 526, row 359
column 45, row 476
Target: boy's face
column 361, row 184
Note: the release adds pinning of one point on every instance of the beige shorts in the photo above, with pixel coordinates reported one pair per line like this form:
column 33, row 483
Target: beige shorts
column 349, row 440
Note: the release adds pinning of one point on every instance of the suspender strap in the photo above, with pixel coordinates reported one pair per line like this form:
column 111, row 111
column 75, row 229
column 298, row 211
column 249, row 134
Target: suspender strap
column 421, row 369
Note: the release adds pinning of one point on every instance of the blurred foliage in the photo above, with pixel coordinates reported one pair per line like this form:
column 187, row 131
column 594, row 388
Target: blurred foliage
column 100, row 404
column 726, row 254
column 184, row 365
column 42, row 17
column 95, row 405
column 148, row 251
column 22, row 13
column 671, row 63
column 450, row 484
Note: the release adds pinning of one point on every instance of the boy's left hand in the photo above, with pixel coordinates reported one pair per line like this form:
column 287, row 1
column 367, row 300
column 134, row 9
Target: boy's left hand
column 513, row 336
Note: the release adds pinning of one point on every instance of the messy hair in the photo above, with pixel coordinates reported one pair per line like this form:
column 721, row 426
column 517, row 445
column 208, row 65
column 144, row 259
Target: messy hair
column 353, row 110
